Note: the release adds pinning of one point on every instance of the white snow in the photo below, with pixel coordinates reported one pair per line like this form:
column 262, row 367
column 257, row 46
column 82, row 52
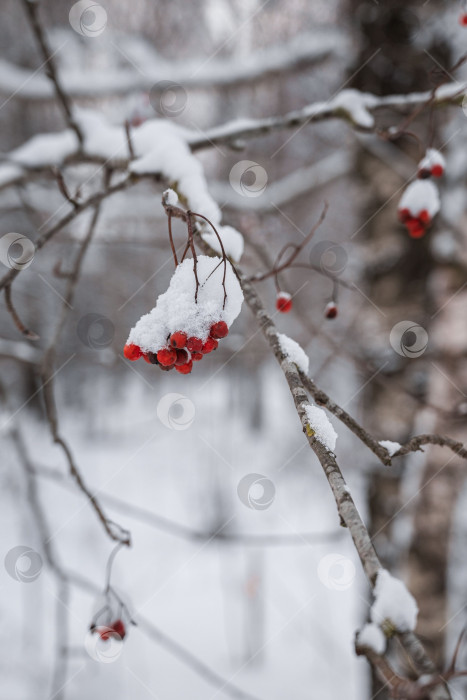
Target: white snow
column 355, row 104
column 393, row 602
column 46, row 149
column 294, row 352
column 372, row 636
column 176, row 309
column 232, row 240
column 432, row 157
column 321, row 426
column 391, row 446
column 171, row 197
column 419, row 195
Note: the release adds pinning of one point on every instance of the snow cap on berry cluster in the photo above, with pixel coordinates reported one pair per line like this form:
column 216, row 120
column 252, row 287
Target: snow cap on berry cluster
column 420, row 195
column 432, row 157
column 176, row 309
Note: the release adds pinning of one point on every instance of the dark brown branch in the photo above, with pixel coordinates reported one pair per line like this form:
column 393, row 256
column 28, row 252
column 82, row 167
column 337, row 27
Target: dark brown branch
column 63, row 187
column 17, row 321
column 31, row 7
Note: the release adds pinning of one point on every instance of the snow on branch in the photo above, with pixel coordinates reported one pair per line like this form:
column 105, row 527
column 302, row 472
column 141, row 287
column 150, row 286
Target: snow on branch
column 301, row 52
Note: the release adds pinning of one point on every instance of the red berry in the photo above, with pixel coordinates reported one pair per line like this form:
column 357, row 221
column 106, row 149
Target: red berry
column 182, row 357
column 166, row 357
column 194, row 344
column 104, row 633
column 416, row 229
column 185, row 369
column 219, row 330
column 166, row 368
column 178, row 339
column 403, row 215
column 424, row 217
column 283, row 302
column 132, row 352
column 437, row 170
column 331, row 310
column 119, row 628
column 146, row 358
column 210, row 345
column 196, row 356
column 424, row 174
column 463, row 19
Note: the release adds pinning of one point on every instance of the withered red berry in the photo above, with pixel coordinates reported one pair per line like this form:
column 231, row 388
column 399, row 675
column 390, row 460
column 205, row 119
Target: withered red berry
column 146, row 358
column 119, row 628
column 182, row 357
column 210, row 345
column 331, row 310
column 178, row 339
column 219, row 330
column 424, row 174
column 132, row 352
column 437, row 170
column 166, row 357
column 194, row 344
column 283, row 302
column 196, row 356
column 166, row 368
column 185, row 369
column 152, row 358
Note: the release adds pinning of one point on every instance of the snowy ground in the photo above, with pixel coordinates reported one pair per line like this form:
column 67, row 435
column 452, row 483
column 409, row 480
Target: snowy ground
column 276, row 621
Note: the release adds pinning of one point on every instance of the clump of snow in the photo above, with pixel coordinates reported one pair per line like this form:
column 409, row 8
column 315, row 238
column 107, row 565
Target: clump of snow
column 232, row 240
column 356, row 104
column 176, row 309
column 46, row 149
column 432, row 157
column 393, row 603
column 294, row 352
column 420, row 195
column 372, row 637
column 321, row 427
column 170, row 197
column 391, row 447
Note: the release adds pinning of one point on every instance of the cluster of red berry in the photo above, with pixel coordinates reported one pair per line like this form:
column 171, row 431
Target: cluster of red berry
column 416, row 225
column 116, row 630
column 181, row 351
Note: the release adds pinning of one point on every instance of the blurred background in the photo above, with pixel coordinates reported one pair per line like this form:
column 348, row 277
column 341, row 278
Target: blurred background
column 267, row 592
